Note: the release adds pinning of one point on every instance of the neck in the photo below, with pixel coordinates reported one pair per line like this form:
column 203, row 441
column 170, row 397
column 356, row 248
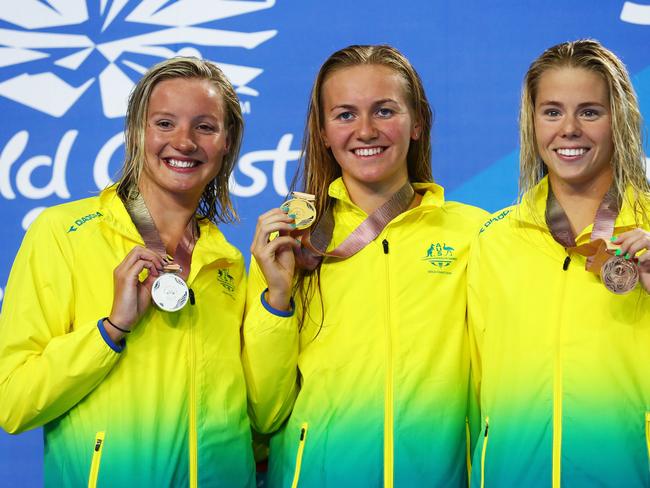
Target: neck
column 171, row 215
column 581, row 202
column 369, row 197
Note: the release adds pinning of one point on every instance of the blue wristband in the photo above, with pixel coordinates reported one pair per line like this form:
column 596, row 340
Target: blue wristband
column 275, row 311
column 115, row 347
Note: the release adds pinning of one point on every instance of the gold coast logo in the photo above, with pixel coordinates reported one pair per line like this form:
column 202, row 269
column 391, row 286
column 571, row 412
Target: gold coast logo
column 62, row 48
column 440, row 256
column 226, row 280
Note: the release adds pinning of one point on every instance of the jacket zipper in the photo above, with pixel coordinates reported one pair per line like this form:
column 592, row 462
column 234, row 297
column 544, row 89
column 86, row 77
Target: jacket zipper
column 97, row 459
column 301, row 447
column 468, row 452
column 388, row 392
column 647, row 433
column 557, row 389
column 483, row 451
column 193, row 436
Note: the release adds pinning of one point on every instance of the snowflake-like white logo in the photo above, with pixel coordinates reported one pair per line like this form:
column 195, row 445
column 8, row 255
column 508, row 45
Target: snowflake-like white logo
column 47, row 92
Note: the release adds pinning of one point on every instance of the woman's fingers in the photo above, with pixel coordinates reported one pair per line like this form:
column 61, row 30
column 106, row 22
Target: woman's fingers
column 632, row 242
column 128, row 300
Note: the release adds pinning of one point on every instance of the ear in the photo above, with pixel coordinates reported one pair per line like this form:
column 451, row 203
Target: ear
column 416, row 131
column 227, row 148
column 324, row 138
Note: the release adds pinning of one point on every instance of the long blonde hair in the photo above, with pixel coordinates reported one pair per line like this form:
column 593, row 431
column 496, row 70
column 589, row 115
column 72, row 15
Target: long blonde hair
column 628, row 161
column 318, row 167
column 215, row 203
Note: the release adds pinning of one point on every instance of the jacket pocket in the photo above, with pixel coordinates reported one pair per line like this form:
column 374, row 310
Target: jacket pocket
column 97, row 459
column 301, row 447
column 483, row 451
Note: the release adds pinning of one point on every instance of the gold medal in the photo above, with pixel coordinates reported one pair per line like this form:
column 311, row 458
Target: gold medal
column 619, row 275
column 301, row 205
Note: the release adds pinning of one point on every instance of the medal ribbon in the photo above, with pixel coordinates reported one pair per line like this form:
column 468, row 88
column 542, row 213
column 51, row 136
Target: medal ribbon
column 603, row 228
column 315, row 243
column 143, row 221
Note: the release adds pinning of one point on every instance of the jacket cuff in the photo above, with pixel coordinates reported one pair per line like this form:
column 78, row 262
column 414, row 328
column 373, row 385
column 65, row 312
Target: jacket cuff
column 115, row 347
column 275, row 311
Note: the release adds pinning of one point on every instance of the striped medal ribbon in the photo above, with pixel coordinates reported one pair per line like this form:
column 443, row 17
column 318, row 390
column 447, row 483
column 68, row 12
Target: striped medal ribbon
column 316, row 241
column 618, row 274
column 169, row 291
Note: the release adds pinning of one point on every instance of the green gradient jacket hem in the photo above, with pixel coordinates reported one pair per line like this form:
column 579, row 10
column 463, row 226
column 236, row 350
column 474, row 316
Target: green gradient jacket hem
column 562, row 365
column 170, row 409
column 375, row 392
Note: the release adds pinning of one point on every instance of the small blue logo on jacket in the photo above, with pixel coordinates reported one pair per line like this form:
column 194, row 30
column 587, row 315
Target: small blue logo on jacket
column 441, row 256
column 492, row 220
column 81, row 221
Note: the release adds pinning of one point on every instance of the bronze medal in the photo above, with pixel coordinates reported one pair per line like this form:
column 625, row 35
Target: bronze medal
column 619, row 275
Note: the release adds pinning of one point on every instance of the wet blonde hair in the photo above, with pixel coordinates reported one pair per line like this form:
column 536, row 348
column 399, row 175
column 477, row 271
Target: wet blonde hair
column 628, row 161
column 318, row 167
column 215, row 203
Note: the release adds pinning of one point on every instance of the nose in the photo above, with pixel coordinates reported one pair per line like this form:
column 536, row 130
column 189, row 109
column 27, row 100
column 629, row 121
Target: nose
column 571, row 126
column 183, row 141
column 367, row 129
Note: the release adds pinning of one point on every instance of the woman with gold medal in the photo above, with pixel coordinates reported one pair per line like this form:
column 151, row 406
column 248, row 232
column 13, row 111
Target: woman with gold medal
column 130, row 393
column 558, row 289
column 355, row 344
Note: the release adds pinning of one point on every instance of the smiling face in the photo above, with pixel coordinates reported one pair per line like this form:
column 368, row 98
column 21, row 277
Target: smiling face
column 185, row 138
column 573, row 128
column 368, row 126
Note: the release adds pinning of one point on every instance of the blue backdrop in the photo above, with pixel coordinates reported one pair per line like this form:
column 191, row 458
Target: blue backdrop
column 68, row 66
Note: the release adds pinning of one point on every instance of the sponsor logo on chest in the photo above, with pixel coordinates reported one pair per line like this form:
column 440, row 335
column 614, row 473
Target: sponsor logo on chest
column 82, row 220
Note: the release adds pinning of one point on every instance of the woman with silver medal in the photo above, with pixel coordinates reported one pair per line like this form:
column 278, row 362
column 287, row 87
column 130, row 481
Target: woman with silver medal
column 558, row 288
column 147, row 395
column 354, row 338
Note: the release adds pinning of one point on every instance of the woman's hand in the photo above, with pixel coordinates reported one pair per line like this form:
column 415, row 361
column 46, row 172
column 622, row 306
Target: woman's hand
column 276, row 257
column 632, row 242
column 131, row 298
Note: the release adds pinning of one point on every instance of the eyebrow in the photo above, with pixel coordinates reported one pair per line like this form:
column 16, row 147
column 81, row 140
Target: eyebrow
column 580, row 105
column 346, row 106
column 164, row 113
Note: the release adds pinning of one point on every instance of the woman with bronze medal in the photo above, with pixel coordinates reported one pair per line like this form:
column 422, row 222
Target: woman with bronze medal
column 558, row 288
column 130, row 392
column 355, row 344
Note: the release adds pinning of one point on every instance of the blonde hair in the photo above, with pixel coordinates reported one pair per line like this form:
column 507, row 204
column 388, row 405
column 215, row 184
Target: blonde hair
column 215, row 203
column 628, row 161
column 318, row 167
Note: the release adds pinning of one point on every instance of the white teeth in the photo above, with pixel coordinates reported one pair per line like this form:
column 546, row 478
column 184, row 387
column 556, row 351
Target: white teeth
column 175, row 163
column 571, row 152
column 368, row 151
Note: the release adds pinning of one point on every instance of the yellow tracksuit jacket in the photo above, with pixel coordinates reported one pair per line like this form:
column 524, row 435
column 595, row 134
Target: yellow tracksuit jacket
column 377, row 394
column 561, row 364
column 166, row 409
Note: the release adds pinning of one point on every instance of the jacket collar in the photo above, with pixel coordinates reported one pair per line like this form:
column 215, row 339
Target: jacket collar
column 211, row 245
column 532, row 210
column 433, row 195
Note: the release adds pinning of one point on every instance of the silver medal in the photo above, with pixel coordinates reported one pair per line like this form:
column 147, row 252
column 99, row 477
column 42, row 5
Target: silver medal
column 169, row 292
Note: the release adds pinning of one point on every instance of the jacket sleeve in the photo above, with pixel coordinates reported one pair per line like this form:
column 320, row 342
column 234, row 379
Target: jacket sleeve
column 270, row 357
column 48, row 363
column 476, row 331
